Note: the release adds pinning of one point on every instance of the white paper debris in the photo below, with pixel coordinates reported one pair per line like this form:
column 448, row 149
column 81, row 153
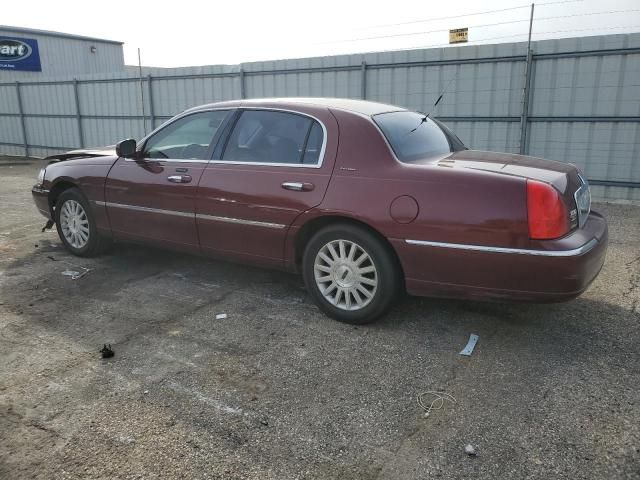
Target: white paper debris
column 468, row 350
column 221, row 316
column 469, row 450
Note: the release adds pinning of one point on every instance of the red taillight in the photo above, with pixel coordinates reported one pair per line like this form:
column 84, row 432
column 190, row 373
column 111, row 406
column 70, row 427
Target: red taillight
column 548, row 216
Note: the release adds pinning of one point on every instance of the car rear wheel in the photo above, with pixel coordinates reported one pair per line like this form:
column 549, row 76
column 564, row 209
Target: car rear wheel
column 351, row 274
column 76, row 225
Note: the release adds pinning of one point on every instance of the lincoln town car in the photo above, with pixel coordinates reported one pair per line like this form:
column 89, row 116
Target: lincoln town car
column 365, row 200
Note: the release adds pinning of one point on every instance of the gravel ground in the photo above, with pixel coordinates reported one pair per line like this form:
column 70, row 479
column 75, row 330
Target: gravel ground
column 278, row 391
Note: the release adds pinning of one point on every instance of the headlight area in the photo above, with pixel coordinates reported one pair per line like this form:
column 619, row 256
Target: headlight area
column 41, row 175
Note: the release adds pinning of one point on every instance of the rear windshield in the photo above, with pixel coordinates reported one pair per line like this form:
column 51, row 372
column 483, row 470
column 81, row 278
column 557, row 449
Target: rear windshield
column 413, row 136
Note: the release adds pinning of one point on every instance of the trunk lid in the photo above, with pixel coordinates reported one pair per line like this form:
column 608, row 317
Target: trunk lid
column 557, row 173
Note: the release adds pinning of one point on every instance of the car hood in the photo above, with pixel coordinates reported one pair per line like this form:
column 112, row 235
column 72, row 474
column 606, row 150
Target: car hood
column 557, row 173
column 107, row 151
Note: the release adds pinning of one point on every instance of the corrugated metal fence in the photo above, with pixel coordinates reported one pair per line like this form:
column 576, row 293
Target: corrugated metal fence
column 582, row 104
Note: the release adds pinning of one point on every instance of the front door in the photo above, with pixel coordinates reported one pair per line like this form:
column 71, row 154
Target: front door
column 274, row 166
column 152, row 197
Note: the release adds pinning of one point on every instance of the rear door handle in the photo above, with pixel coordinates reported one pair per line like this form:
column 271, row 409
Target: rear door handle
column 298, row 186
column 179, row 178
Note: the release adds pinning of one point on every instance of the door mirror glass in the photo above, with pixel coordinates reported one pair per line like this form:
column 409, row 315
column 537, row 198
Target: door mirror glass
column 126, row 148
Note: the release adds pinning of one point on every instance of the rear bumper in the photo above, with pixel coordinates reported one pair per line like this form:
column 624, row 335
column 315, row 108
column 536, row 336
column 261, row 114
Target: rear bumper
column 555, row 271
column 41, row 199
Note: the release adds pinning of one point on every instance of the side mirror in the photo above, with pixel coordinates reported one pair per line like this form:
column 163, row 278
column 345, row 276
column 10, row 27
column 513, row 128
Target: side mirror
column 126, row 148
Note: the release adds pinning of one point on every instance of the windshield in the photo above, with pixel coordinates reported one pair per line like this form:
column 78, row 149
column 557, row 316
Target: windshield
column 414, row 136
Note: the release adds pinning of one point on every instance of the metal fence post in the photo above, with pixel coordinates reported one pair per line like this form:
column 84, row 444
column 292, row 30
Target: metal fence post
column 152, row 112
column 363, row 81
column 78, row 113
column 524, row 118
column 22, row 122
column 242, row 87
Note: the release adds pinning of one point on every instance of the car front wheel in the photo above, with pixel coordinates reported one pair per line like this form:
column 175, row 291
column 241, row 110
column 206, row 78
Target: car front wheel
column 351, row 274
column 76, row 225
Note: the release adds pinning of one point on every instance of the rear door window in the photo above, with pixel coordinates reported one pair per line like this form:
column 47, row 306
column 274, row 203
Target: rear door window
column 314, row 145
column 412, row 135
column 273, row 137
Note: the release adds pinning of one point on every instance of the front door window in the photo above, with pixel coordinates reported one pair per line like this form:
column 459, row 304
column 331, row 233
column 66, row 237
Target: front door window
column 188, row 138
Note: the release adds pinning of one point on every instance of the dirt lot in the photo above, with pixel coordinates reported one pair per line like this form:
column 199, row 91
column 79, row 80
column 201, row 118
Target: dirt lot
column 277, row 390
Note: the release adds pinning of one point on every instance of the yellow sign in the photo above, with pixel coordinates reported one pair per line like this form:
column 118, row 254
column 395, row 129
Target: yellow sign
column 459, row 35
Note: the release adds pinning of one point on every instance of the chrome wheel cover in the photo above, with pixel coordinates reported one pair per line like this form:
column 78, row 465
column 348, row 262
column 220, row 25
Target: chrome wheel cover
column 74, row 224
column 345, row 275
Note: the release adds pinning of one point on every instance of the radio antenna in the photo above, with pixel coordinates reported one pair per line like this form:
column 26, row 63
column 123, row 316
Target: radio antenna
column 144, row 116
column 442, row 94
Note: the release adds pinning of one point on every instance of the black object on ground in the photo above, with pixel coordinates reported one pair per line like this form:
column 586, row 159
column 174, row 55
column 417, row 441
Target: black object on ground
column 48, row 225
column 106, row 351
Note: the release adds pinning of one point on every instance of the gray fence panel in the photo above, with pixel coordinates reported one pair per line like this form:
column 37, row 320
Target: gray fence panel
column 111, row 98
column 173, row 96
column 8, row 100
column 587, row 86
column 344, row 84
column 11, row 131
column 492, row 136
column 98, row 132
column 52, row 132
column 613, row 194
column 48, row 99
column 13, row 150
column 489, row 89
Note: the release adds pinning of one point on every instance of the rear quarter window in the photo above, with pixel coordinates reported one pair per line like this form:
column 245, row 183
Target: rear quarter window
column 412, row 135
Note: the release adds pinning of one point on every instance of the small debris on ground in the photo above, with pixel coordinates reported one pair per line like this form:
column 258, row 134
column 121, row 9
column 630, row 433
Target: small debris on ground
column 469, row 450
column 437, row 403
column 51, row 257
column 468, row 350
column 74, row 274
column 106, row 351
column 221, row 316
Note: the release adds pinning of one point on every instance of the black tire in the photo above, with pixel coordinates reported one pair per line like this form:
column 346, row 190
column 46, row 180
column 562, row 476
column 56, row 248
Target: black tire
column 95, row 243
column 387, row 273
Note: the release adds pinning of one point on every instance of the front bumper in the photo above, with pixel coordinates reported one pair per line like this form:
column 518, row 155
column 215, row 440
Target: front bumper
column 41, row 199
column 558, row 270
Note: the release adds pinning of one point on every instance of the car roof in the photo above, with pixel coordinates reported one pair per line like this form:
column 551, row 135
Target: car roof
column 362, row 107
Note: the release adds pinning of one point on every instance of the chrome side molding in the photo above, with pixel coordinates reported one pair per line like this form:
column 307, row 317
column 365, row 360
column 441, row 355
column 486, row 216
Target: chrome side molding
column 240, row 221
column 144, row 209
column 515, row 251
column 199, row 216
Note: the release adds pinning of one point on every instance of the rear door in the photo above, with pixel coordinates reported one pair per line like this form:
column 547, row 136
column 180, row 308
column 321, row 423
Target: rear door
column 273, row 166
column 152, row 197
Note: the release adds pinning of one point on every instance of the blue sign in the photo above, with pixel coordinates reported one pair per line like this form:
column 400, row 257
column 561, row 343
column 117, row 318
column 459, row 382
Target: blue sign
column 19, row 54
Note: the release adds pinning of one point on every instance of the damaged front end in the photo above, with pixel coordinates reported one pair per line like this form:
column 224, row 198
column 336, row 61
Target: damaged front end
column 41, row 190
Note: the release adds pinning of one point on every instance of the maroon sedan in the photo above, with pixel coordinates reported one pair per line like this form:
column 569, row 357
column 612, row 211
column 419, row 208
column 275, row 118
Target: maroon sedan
column 365, row 199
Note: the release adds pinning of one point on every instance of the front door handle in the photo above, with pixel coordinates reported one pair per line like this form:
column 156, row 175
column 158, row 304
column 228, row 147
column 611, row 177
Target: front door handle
column 298, row 186
column 179, row 178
